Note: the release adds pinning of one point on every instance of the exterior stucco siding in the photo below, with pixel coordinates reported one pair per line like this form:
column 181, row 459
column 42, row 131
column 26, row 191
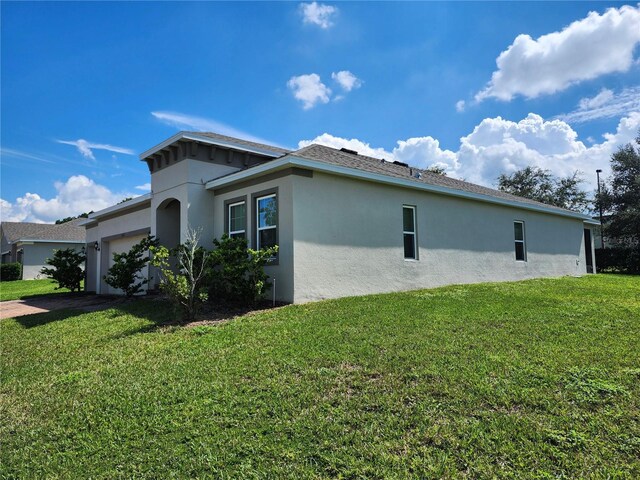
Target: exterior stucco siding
column 283, row 271
column 35, row 255
column 348, row 240
column 184, row 181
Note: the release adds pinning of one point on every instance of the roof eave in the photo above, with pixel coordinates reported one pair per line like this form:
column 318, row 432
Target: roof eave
column 293, row 161
column 120, row 207
column 210, row 141
column 45, row 240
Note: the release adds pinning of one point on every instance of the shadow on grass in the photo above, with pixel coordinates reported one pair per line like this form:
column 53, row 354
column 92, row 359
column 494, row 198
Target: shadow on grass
column 157, row 311
column 162, row 315
column 39, row 319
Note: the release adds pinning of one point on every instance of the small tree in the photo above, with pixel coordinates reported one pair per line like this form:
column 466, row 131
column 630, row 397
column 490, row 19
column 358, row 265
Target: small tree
column 184, row 286
column 540, row 185
column 67, row 268
column 236, row 273
column 124, row 274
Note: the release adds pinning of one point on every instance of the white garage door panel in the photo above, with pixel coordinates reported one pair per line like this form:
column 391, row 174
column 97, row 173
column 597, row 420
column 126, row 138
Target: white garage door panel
column 122, row 245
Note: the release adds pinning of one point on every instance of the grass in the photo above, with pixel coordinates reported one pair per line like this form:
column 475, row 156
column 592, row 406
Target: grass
column 535, row 379
column 20, row 289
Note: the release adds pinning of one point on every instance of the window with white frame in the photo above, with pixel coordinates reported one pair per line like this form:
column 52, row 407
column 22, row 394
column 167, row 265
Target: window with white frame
column 521, row 247
column 237, row 215
column 266, row 221
column 409, row 232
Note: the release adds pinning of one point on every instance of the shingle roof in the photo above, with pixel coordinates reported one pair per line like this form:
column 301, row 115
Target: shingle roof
column 239, row 141
column 375, row 165
column 68, row 231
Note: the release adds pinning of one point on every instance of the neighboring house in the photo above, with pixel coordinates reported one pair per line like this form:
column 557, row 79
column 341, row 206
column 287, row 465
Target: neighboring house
column 346, row 224
column 32, row 243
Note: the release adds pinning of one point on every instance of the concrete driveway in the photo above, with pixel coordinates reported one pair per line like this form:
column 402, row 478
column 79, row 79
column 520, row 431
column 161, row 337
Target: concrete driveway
column 48, row 303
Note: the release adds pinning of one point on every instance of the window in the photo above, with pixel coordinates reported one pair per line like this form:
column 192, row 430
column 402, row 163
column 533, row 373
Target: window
column 521, row 249
column 237, row 218
column 266, row 221
column 409, row 232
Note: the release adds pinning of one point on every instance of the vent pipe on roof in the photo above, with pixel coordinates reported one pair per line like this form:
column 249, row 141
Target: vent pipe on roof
column 346, row 150
column 402, row 164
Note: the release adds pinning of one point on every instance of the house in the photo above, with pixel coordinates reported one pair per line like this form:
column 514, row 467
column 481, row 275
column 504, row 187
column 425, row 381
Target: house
column 346, row 224
column 32, row 243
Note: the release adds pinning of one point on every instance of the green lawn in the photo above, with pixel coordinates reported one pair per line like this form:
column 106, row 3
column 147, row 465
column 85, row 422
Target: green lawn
column 536, row 379
column 27, row 288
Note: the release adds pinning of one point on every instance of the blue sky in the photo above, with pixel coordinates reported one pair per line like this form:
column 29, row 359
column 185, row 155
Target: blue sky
column 478, row 88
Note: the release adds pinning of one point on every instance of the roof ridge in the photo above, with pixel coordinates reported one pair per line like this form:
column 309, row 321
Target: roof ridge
column 221, row 136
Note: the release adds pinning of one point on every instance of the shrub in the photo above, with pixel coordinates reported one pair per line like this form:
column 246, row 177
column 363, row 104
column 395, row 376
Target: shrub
column 236, row 273
column 67, row 271
column 185, row 286
column 124, row 274
column 618, row 259
column 10, row 271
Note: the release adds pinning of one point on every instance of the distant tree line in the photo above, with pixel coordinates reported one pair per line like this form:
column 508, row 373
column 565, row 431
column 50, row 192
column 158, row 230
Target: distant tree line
column 68, row 219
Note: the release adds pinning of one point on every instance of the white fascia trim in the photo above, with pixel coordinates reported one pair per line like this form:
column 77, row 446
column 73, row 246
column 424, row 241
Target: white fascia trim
column 4, row 253
column 88, row 222
column 591, row 221
column 291, row 161
column 40, row 240
column 210, row 141
column 134, row 202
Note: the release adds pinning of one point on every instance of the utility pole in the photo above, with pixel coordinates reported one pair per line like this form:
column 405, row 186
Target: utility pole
column 598, row 172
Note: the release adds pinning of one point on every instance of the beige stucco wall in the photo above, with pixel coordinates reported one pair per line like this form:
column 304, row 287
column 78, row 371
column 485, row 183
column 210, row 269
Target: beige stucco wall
column 184, row 181
column 348, row 240
column 283, row 272
column 35, row 255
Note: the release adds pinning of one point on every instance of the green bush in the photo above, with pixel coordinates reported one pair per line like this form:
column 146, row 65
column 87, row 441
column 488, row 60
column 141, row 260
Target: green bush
column 10, row 272
column 124, row 273
column 67, row 268
column 236, row 273
column 618, row 259
column 182, row 274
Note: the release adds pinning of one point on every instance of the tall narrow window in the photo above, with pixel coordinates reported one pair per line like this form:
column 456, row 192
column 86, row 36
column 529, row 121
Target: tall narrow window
column 409, row 232
column 521, row 248
column 237, row 216
column 266, row 221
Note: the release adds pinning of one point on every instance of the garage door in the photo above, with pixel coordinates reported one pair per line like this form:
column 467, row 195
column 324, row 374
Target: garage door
column 121, row 245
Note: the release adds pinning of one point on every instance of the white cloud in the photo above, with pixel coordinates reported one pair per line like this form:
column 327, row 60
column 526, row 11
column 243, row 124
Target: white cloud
column 498, row 146
column 347, row 80
column 318, row 14
column 605, row 104
column 86, row 148
column 600, row 99
column 353, row 144
column 146, row 187
column 309, row 89
column 201, row 124
column 460, row 106
column 422, row 152
column 77, row 195
column 588, row 48
column 9, row 152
